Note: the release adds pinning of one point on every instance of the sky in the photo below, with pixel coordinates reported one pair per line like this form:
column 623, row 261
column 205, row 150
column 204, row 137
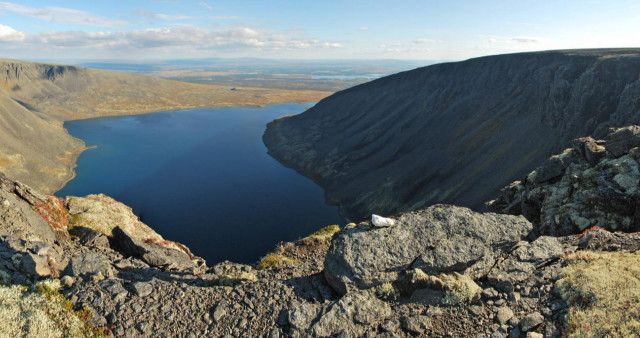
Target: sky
column 300, row 29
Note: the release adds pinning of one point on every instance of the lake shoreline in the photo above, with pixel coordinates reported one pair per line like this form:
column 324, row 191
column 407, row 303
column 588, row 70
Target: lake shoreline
column 187, row 172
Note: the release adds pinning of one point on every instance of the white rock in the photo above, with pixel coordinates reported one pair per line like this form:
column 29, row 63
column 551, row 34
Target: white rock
column 380, row 221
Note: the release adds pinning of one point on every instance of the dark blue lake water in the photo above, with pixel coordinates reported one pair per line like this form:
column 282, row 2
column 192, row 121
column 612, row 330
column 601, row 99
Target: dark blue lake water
column 201, row 177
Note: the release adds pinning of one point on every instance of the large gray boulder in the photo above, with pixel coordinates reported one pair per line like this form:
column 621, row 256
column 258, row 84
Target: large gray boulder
column 154, row 255
column 441, row 238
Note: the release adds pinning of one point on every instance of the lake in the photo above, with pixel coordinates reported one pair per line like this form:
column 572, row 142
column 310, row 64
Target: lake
column 201, row 177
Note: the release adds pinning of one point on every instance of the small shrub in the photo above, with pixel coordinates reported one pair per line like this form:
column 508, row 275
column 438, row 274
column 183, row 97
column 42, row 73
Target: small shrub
column 386, row 291
column 275, row 260
column 459, row 288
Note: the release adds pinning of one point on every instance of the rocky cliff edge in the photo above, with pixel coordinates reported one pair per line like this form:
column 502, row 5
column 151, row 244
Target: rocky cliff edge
column 440, row 271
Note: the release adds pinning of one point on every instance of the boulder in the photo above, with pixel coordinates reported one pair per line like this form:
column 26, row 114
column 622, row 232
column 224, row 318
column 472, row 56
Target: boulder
column 350, row 316
column 590, row 149
column 36, row 265
column 89, row 237
column 523, row 261
column 531, row 321
column 19, row 217
column 623, row 139
column 440, row 238
column 89, row 264
column 602, row 240
column 103, row 214
column 154, row 255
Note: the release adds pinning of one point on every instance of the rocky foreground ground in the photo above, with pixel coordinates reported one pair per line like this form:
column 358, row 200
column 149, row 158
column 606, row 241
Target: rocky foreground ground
column 545, row 265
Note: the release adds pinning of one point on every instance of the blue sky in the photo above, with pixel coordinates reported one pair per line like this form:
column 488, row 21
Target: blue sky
column 346, row 29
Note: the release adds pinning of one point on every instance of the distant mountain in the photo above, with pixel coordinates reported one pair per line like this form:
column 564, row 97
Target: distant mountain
column 36, row 98
column 455, row 132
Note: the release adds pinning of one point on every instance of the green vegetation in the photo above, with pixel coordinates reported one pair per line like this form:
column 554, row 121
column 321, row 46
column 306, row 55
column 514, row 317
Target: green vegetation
column 387, row 291
column 326, row 232
column 603, row 291
column 42, row 311
column 274, row 260
column 232, row 280
column 459, row 288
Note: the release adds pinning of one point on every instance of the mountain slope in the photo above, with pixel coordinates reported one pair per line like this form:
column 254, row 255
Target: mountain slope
column 35, row 98
column 33, row 147
column 454, row 132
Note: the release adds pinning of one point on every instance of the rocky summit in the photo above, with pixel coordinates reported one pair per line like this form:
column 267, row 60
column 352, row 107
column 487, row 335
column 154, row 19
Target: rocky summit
column 455, row 132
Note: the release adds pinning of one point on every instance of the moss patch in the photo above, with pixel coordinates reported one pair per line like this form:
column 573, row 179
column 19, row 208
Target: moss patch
column 42, row 312
column 603, row 291
column 275, row 260
column 325, row 232
column 459, row 288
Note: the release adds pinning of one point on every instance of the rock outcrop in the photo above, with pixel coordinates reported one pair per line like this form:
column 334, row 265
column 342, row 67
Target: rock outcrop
column 593, row 184
column 455, row 132
column 438, row 239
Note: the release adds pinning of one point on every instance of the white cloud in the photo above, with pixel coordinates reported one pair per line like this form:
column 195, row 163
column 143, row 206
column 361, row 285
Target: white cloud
column 404, row 48
column 8, row 34
column 60, row 15
column 185, row 39
column 205, row 5
column 513, row 39
column 421, row 41
column 151, row 15
column 363, row 28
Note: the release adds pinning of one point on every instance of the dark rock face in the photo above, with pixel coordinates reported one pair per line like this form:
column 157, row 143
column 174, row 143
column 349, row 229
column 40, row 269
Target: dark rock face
column 455, row 132
column 441, row 238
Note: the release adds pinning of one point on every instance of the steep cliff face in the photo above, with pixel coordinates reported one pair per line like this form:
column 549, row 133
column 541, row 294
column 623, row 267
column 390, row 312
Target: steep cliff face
column 455, row 132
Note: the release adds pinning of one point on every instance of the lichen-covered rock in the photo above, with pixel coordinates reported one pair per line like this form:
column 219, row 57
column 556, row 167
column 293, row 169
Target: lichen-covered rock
column 17, row 202
column 89, row 264
column 623, row 139
column 440, row 238
column 523, row 261
column 591, row 190
column 103, row 214
column 602, row 240
column 153, row 255
column 352, row 315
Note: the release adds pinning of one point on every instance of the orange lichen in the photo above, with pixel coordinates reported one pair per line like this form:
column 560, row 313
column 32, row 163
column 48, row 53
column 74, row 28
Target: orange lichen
column 589, row 229
column 54, row 212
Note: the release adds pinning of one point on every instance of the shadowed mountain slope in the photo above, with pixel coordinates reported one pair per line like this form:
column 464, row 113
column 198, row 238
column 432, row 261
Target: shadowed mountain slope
column 455, row 132
column 35, row 98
